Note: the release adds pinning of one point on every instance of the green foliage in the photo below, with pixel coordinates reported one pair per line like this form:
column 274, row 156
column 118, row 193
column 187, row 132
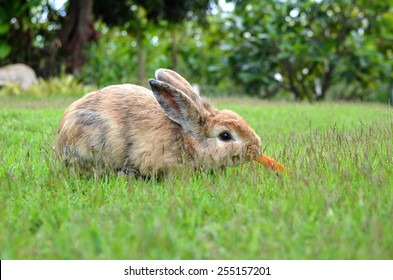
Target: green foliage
column 113, row 59
column 62, row 85
column 285, row 49
column 309, row 49
column 338, row 204
column 153, row 35
column 28, row 34
column 304, row 47
column 123, row 12
column 5, row 48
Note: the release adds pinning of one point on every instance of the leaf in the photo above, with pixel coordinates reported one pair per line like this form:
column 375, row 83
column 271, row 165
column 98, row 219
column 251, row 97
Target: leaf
column 4, row 28
column 5, row 50
column 249, row 77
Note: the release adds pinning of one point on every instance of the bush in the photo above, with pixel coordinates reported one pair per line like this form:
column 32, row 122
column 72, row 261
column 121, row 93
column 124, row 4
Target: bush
column 62, row 85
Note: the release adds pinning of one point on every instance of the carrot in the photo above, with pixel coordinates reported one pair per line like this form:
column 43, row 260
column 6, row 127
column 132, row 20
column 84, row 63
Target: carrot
column 270, row 163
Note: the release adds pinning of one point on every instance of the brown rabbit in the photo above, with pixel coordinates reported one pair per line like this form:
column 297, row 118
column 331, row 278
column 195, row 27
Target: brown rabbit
column 130, row 128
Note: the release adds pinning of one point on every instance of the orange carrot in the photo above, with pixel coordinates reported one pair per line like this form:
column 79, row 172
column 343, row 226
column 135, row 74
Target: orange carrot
column 268, row 162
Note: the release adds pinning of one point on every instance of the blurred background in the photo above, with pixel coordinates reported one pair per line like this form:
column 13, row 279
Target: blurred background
column 279, row 49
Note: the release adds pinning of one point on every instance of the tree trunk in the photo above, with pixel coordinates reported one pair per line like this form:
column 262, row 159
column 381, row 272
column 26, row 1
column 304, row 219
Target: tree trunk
column 21, row 39
column 289, row 74
column 326, row 81
column 76, row 32
column 174, row 50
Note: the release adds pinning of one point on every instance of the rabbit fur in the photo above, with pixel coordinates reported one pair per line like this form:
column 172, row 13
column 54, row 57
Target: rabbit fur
column 130, row 128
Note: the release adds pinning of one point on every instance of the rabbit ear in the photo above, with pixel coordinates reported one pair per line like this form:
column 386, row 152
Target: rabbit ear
column 178, row 106
column 177, row 81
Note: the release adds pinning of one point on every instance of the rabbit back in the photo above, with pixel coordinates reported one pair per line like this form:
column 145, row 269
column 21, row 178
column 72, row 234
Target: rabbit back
column 117, row 127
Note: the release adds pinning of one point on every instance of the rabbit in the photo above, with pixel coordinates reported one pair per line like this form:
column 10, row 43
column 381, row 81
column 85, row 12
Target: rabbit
column 128, row 128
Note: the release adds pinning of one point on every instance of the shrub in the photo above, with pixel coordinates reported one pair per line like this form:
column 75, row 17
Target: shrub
column 62, row 85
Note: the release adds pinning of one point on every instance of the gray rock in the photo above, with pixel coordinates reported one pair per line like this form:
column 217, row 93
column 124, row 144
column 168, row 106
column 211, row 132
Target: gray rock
column 19, row 73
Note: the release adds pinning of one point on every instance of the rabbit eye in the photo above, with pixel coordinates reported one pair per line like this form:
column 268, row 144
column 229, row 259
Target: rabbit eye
column 225, row 136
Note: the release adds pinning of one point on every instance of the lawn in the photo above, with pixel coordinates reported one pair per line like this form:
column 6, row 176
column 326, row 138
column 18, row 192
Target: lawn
column 338, row 204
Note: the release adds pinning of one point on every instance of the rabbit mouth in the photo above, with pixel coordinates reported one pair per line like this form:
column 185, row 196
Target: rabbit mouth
column 236, row 160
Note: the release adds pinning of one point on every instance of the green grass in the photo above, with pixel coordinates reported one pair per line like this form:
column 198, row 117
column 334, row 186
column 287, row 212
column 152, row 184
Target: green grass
column 337, row 205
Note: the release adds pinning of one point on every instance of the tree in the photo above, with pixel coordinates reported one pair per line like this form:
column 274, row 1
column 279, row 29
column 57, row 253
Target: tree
column 38, row 35
column 16, row 30
column 35, row 33
column 77, row 30
column 303, row 47
column 138, row 16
